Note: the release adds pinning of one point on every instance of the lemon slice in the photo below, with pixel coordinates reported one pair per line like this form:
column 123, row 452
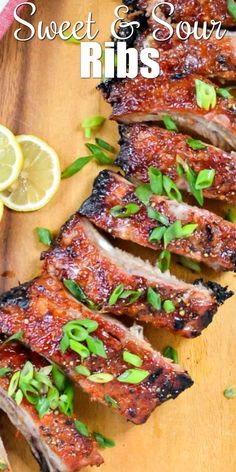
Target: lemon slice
column 39, row 178
column 1, row 209
column 11, row 158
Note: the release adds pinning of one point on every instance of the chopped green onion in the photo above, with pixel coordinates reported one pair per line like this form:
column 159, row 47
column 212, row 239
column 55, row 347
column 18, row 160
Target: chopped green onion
column 171, row 189
column 231, row 6
column 187, row 230
column 205, row 179
column 59, row 379
column 230, row 392
column 19, row 397
column 205, row 94
column 143, row 192
column 133, row 376
column 157, row 234
column 191, row 179
column 75, row 331
column 90, row 325
column 189, row 264
column 196, row 144
column 111, row 401
column 169, row 123
column 133, row 359
column 125, row 211
column 3, row 465
column 99, row 155
column 82, row 370
column 101, row 378
column 44, row 236
column 177, row 231
column 116, row 294
column 155, row 215
column 81, row 428
column 42, row 406
column 27, row 373
column 66, row 400
column 76, row 166
column 70, row 38
column 179, row 170
column 164, row 261
column 104, row 145
column 231, row 215
column 53, row 398
column 154, row 298
column 78, row 293
column 156, row 180
column 4, row 371
column 89, row 124
column 15, row 337
column 96, row 347
column 224, row 92
column 14, row 382
column 79, row 349
column 131, row 295
column 64, row 343
column 168, row 306
column 171, row 353
column 102, row 441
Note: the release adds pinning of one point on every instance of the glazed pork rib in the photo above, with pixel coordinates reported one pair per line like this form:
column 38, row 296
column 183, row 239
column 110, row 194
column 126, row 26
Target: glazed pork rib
column 143, row 99
column 54, row 439
column 82, row 254
column 42, row 309
column 213, row 241
column 143, row 146
column 4, row 463
column 190, row 11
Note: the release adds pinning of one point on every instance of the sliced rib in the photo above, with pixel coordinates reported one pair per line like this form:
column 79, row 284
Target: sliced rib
column 143, row 99
column 213, row 241
column 41, row 309
column 53, row 439
column 143, row 146
column 190, row 11
column 82, row 254
column 4, row 462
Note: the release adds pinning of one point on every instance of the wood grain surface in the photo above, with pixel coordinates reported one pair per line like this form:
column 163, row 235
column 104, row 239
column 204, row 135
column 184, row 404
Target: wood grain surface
column 41, row 93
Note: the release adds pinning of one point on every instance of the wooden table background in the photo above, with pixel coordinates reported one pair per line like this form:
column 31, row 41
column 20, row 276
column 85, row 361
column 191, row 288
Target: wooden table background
column 41, row 93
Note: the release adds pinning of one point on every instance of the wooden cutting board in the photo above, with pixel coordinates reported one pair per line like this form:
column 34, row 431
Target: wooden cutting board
column 41, row 93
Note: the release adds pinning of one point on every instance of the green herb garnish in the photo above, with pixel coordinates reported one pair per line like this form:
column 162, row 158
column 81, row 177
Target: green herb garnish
column 133, row 359
column 131, row 296
column 164, row 260
column 78, row 293
column 3, row 465
column 230, row 392
column 104, row 145
column 196, row 144
column 205, row 179
column 82, row 370
column 116, row 294
column 91, row 124
column 143, row 192
column 157, row 234
column 111, row 401
column 189, row 264
column 102, row 441
column 96, row 347
column 15, row 337
column 205, row 95
column 76, row 166
column 70, row 38
column 169, row 123
column 133, row 376
column 44, row 236
column 171, row 353
column 156, row 180
column 4, row 371
column 79, row 348
column 231, row 6
column 125, row 211
column 81, row 428
column 156, row 215
column 101, row 378
column 99, row 155
column 177, row 231
column 231, row 215
column 171, row 189
column 224, row 92
column 168, row 306
column 154, row 298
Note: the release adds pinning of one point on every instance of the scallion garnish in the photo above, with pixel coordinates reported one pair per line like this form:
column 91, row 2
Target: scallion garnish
column 171, row 353
column 75, row 331
column 91, row 124
column 164, row 260
column 230, row 392
column 59, row 379
column 3, row 465
column 168, row 306
column 177, row 231
column 79, row 348
column 82, row 370
column 111, row 401
column 116, row 294
column 231, row 215
column 125, row 211
column 196, row 144
column 133, row 359
column 101, row 378
column 42, row 406
column 104, row 145
column 171, row 189
column 231, row 6
column 4, row 371
column 205, row 179
column 205, row 95
column 44, row 236
column 76, row 166
column 157, row 234
column 143, row 192
column 133, row 376
column 224, row 92
column 156, row 215
column 189, row 264
column 15, row 337
column 131, row 296
column 78, row 293
column 14, row 382
column 102, row 441
column 70, row 38
column 156, row 180
column 81, row 428
column 99, row 155
column 154, row 298
column 96, row 346
column 169, row 123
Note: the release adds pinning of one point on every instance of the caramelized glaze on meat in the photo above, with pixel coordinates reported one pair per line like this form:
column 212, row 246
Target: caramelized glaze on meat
column 41, row 309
